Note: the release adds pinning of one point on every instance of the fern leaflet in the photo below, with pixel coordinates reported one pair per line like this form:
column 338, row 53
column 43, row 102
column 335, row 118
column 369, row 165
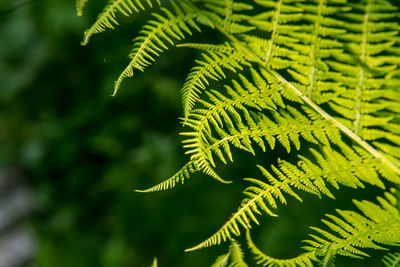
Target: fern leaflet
column 304, row 260
column 377, row 225
column 107, row 18
column 211, row 67
column 392, row 260
column 154, row 37
column 307, row 176
column 234, row 257
column 322, row 74
column 179, row 177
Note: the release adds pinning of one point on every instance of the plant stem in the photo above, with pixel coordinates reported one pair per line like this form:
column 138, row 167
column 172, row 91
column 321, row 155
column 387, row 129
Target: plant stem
column 355, row 137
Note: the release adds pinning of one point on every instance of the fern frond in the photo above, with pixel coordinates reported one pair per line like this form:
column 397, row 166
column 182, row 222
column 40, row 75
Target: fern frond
column 257, row 197
column 80, row 5
column 327, row 69
column 229, row 14
column 304, row 260
column 179, row 177
column 301, row 36
column 309, row 176
column 392, row 260
column 219, row 48
column 234, row 257
column 388, row 161
column 221, row 261
column 365, row 101
column 107, row 18
column 329, row 258
column 377, row 225
column 223, row 112
column 353, row 84
column 278, row 22
column 155, row 36
column 228, row 121
column 211, row 67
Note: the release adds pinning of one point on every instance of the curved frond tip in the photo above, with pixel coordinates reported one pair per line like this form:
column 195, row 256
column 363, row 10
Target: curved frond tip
column 179, row 177
column 155, row 37
column 107, row 18
column 304, row 260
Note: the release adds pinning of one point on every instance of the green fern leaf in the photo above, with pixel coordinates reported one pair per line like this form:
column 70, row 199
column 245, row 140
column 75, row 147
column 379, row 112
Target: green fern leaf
column 304, row 260
column 221, row 261
column 329, row 258
column 306, row 73
column 236, row 255
column 308, row 176
column 377, row 225
column 154, row 37
column 107, row 18
column 219, row 48
column 276, row 51
column 365, row 97
column 230, row 15
column 222, row 112
column 392, row 260
column 211, row 67
column 226, row 121
column 234, row 258
column 179, row 177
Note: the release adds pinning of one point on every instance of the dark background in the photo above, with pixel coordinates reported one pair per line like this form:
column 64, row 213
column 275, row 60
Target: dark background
column 78, row 154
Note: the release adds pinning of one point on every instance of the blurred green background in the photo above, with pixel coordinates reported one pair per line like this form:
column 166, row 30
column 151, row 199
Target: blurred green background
column 81, row 153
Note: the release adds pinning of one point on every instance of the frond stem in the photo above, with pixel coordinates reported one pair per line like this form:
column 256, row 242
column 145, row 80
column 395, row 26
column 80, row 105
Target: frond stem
column 273, row 34
column 362, row 71
column 228, row 12
column 315, row 47
column 356, row 138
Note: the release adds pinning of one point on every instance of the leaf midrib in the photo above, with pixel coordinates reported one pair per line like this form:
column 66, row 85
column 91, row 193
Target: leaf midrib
column 360, row 86
column 352, row 135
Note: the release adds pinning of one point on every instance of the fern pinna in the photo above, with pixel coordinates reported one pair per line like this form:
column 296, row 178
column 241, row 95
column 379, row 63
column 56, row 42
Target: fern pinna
column 322, row 74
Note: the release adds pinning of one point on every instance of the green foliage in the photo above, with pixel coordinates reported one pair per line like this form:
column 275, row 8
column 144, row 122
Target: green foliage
column 304, row 260
column 234, row 257
column 286, row 178
column 215, row 60
column 156, row 34
column 107, row 18
column 178, row 177
column 378, row 224
column 318, row 77
column 392, row 260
